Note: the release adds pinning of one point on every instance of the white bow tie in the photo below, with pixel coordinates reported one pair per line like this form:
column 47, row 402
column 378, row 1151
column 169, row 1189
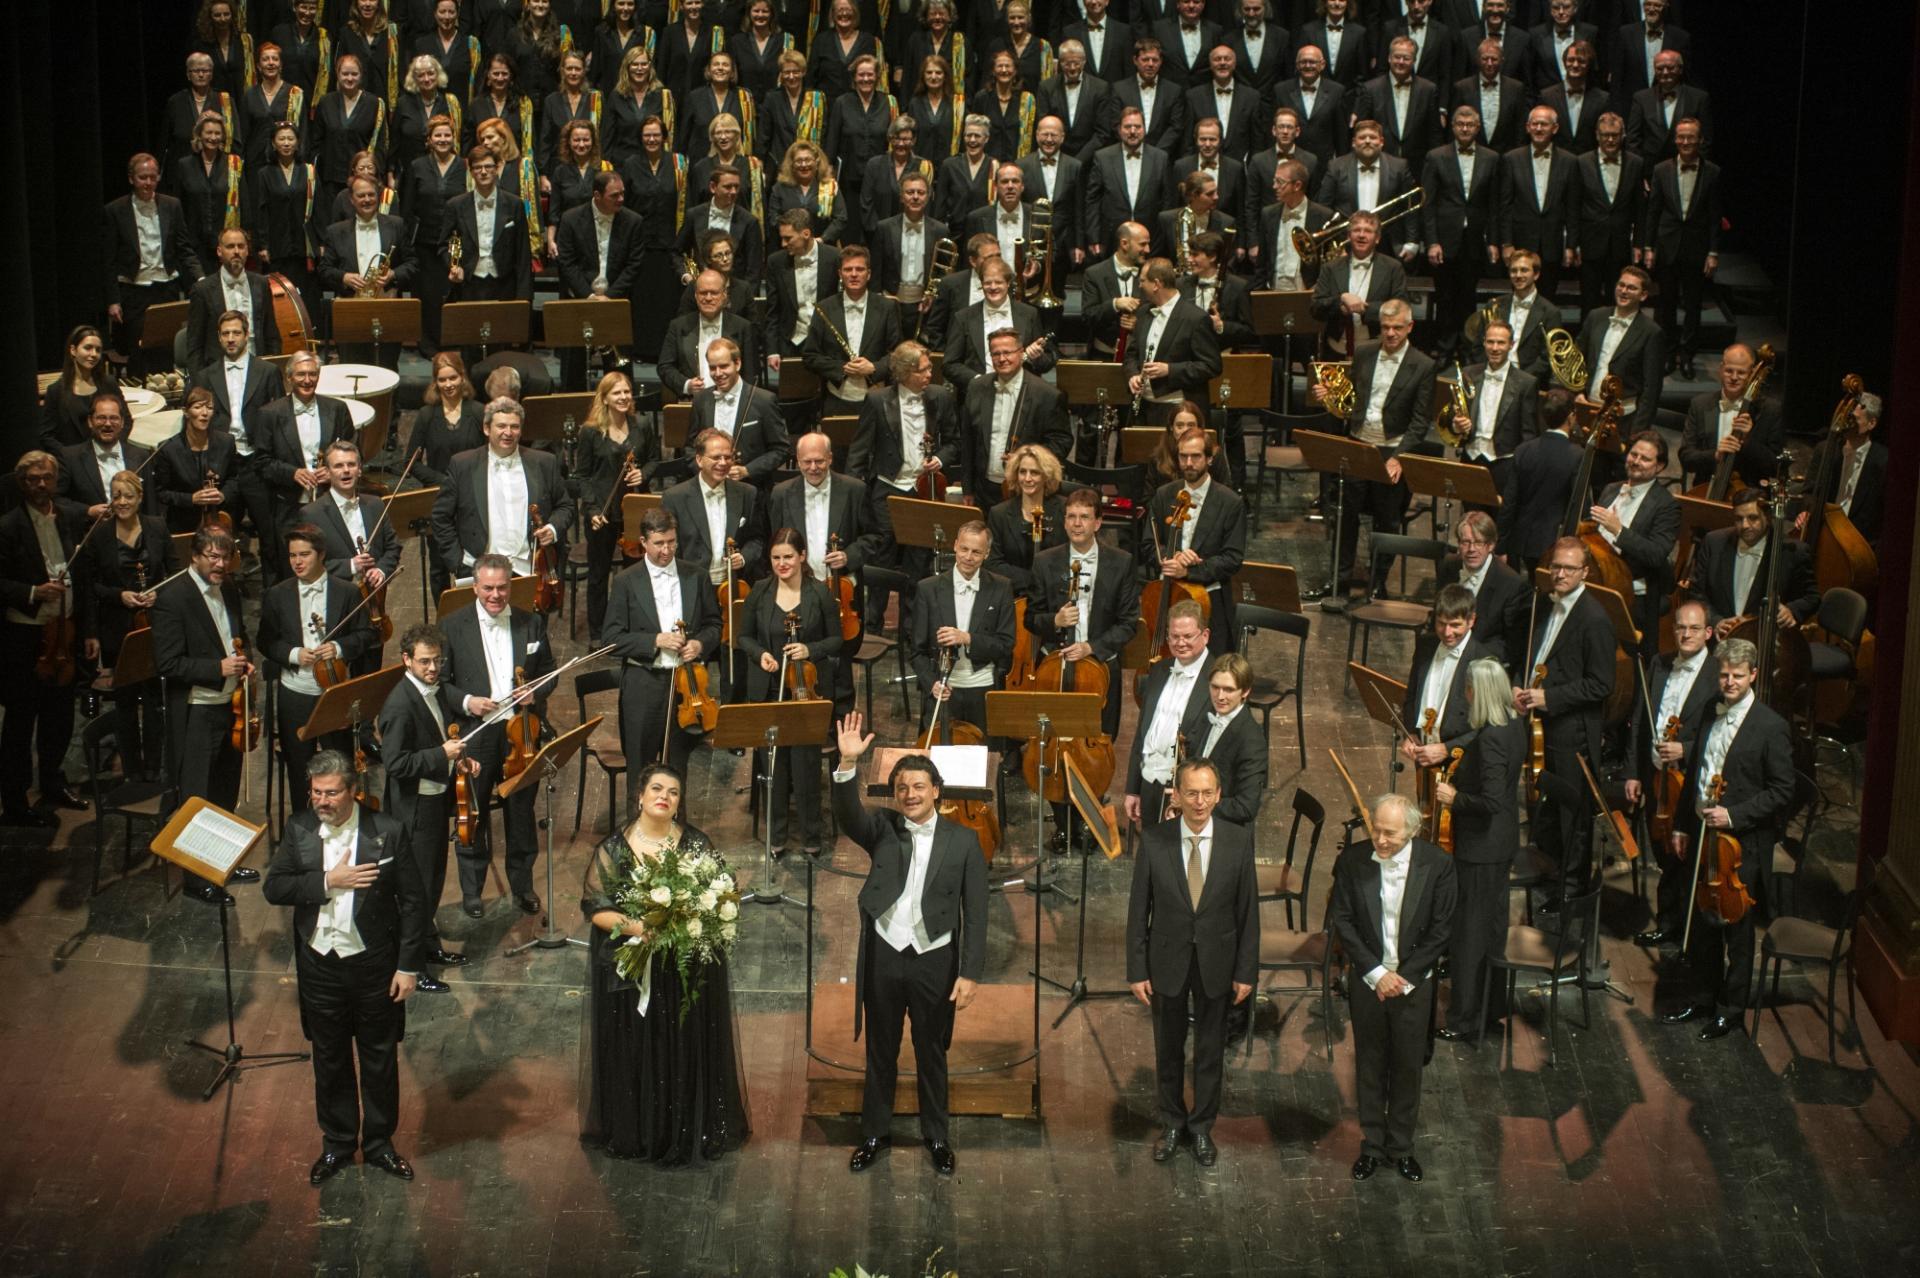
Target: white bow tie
column 966, row 587
column 1217, row 720
column 925, row 827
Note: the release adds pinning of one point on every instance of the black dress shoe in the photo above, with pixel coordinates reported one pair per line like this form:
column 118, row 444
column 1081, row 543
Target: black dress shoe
column 1653, row 936
column 942, row 1155
column 1204, row 1151
column 447, row 958
column 1451, row 1034
column 63, row 798
column 1409, row 1169
column 211, row 894
column 245, row 874
column 815, row 848
column 1167, row 1145
column 866, row 1151
column 392, row 1164
column 431, row 985
column 471, row 907
column 1719, row 1027
column 1364, row 1166
column 326, row 1167
column 529, row 902
column 1683, row 1015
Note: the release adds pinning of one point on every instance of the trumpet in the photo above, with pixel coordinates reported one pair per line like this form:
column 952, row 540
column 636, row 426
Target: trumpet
column 1568, row 364
column 1329, row 243
column 1458, row 402
column 374, row 280
column 1336, row 381
column 1041, row 293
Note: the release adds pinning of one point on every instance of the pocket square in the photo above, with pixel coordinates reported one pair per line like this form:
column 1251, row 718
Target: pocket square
column 533, row 646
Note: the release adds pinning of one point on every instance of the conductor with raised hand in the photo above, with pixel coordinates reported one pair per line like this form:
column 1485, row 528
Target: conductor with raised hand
column 923, row 938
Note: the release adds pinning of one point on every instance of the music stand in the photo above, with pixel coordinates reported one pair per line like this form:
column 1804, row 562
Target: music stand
column 485, row 324
column 1344, row 459
column 1283, row 314
column 675, row 419
column 1448, row 481
column 350, row 704
column 1703, row 515
column 1383, row 696
column 931, row 525
column 547, row 415
column 769, row 725
column 1619, row 611
column 1039, row 718
column 546, row 766
column 586, row 323
column 1275, row 586
column 134, row 667
column 632, row 507
column 1138, row 443
column 410, row 514
column 1094, row 383
column 159, row 325
column 520, row 594
column 377, row 320
column 205, row 839
column 182, row 549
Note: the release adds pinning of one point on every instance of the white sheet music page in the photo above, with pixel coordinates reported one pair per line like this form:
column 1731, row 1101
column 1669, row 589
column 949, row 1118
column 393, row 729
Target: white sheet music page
column 216, row 839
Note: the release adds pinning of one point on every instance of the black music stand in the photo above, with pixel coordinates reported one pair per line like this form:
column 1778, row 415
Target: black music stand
column 586, row 323
column 485, row 324
column 1039, row 718
column 1599, row 970
column 410, row 514
column 545, row 766
column 930, row 525
column 136, row 667
column 769, row 725
column 1344, row 459
column 1094, row 383
column 1448, row 481
column 548, row 415
column 1383, row 696
column 1284, row 314
column 377, row 320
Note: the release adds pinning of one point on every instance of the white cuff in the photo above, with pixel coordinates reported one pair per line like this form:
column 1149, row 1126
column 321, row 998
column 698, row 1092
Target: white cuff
column 1373, row 978
column 843, row 774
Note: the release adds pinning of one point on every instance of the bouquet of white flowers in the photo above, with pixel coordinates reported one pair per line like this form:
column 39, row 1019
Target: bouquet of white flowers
column 690, row 908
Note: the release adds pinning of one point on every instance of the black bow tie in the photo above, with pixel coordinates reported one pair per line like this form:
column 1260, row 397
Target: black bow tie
column 1367, row 168
column 1688, row 168
column 1333, row 28
column 1541, row 155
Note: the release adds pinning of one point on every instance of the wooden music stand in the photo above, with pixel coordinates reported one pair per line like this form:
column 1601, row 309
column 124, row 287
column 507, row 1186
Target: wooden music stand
column 1619, row 610
column 1383, row 697
column 841, row 430
column 377, row 320
column 929, row 524
column 520, row 594
column 350, row 705
column 1275, row 586
column 545, row 766
column 159, row 326
column 182, row 549
column 1703, row 515
column 1102, row 822
column 1280, row 316
column 136, row 659
column 584, row 323
column 1448, row 481
column 674, row 422
column 485, row 324
column 768, row 725
column 1137, row 443
column 547, row 415
column 1344, row 459
column 632, row 507
column 410, row 514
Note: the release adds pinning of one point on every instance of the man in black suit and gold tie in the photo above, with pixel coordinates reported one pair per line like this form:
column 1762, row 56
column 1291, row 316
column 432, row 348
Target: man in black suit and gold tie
column 1193, row 949
column 357, row 925
column 1393, row 903
column 923, row 939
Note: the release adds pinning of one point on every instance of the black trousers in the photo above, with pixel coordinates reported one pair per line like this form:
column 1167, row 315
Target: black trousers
column 1479, row 933
column 796, row 770
column 1387, row 503
column 39, row 721
column 1565, row 832
column 1456, row 287
column 1682, row 285
column 914, row 561
column 602, row 551
column 135, row 299
column 137, row 726
column 901, row 985
column 523, row 842
column 346, row 1010
column 291, row 709
column 205, row 764
column 252, row 498
column 1673, row 892
column 643, row 726
column 1598, row 273
column 1170, row 1013
column 426, row 837
column 1389, row 1049
column 1720, row 963
column 1232, row 428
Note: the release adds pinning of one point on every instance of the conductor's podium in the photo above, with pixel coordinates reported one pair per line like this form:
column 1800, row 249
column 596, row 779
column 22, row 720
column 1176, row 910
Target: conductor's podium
column 991, row 1067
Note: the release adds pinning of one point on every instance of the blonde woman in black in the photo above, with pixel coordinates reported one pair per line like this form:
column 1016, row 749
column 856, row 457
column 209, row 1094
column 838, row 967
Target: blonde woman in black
column 613, row 431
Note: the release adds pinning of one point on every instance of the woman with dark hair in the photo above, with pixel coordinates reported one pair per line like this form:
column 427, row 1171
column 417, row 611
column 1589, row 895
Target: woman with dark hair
column 790, row 615
column 806, row 181
column 756, row 49
column 345, row 122
column 685, row 47
column 456, row 49
column 426, row 98
column 936, row 38
column 716, row 253
column 938, row 110
column 216, row 34
column 539, row 39
column 656, row 190
column 117, row 568
column 637, row 96
column 617, row 448
column 369, row 35
column 67, row 403
column 1166, row 461
column 837, row 48
column 209, row 183
column 621, row 32
column 306, row 50
column 1032, row 486
column 1009, row 109
column 661, row 1078
column 1032, row 56
column 193, row 470
column 277, row 207
column 720, row 95
column 425, row 188
column 269, row 102
column 573, row 101
column 501, row 99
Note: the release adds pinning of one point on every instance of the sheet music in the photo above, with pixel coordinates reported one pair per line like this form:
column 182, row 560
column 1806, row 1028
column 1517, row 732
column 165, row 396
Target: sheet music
column 962, row 766
column 215, row 839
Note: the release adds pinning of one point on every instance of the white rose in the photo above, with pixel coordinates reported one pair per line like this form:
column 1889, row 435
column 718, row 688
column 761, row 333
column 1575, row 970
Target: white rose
column 727, row 931
column 729, row 911
column 661, row 896
column 693, row 927
column 724, row 883
column 707, row 901
column 703, row 867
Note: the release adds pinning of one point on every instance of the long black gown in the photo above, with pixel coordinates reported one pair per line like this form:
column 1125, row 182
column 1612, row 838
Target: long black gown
column 657, row 1087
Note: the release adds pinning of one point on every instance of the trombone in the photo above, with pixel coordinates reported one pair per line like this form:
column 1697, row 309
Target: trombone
column 1329, row 243
column 941, row 261
column 1040, row 292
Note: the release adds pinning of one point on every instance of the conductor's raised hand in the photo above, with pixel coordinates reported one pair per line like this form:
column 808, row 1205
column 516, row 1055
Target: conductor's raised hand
column 852, row 740
column 962, row 993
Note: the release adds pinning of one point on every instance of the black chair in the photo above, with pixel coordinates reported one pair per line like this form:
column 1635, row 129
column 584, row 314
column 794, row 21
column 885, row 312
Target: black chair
column 1385, row 611
column 1124, row 492
column 1289, row 949
column 1281, row 881
column 1549, row 954
column 1791, row 939
column 1843, row 615
column 128, row 800
column 1268, row 694
column 880, row 585
column 573, row 573
column 606, row 752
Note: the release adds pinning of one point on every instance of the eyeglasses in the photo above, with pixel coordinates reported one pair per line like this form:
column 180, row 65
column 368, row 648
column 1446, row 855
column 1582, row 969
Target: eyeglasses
column 1568, row 568
column 1473, row 541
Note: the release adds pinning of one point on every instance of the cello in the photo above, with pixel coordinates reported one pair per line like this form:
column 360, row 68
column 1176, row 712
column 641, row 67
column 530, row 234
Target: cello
column 1717, row 887
column 1785, row 658
column 974, row 814
column 1158, row 596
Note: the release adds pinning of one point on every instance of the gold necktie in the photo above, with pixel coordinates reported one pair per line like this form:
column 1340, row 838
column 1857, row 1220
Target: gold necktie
column 1196, row 879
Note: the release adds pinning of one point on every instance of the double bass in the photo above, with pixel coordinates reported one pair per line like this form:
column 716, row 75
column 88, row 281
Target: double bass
column 1841, row 556
column 1721, row 486
column 974, row 814
column 1786, row 661
column 1158, row 596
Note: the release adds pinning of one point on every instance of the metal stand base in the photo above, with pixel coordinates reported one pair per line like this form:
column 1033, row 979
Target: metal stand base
column 551, row 939
column 1077, row 991
column 233, row 1057
column 757, row 897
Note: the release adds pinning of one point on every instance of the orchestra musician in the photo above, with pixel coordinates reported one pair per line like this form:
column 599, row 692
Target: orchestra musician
column 1110, row 295
column 599, row 250
column 969, row 339
column 1437, row 681
column 791, row 594
column 193, row 472
column 86, row 469
column 292, row 644
column 966, row 613
column 485, row 505
column 1526, row 315
column 1210, row 547
column 1748, row 745
column 491, row 648
column 851, row 333
column 907, row 428
column 1859, row 483
column 683, row 363
column 1193, row 949
column 351, row 251
column 358, row 543
column 419, row 759
column 1233, row 742
column 1102, row 623
column 1539, row 484
column 960, row 289
column 1681, row 685
column 799, row 273
column 243, row 384
column 196, row 620
column 827, row 507
column 110, row 565
column 1721, row 424
column 1290, row 210
column 1176, row 353
column 149, row 260
column 723, row 212
column 230, row 290
column 37, row 544
column 748, row 415
column 1483, row 800
column 1505, row 403
column 1498, row 591
column 1640, row 519
column 617, row 448
column 1624, row 341
column 1032, row 488
column 661, row 614
column 495, row 261
column 1358, row 289
column 1730, row 570
column 67, row 401
column 1173, row 716
column 1222, row 298
column 1009, row 410
column 1458, row 219
column 290, row 436
column 903, row 244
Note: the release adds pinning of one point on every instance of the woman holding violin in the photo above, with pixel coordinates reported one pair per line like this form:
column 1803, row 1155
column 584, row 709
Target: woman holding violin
column 1738, row 792
column 192, row 471
column 119, row 564
column 790, row 633
column 1031, row 517
column 447, row 424
column 1476, row 797
column 616, row 450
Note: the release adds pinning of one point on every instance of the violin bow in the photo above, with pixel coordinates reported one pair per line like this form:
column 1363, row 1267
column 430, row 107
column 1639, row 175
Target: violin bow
column 1359, row 805
column 386, row 504
column 364, row 601
column 510, row 704
column 107, row 514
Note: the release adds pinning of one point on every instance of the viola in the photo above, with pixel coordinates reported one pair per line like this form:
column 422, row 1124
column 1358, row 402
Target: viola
column 1717, row 887
column 930, row 485
column 376, row 602
column 1158, row 596
column 213, row 516
column 840, row 586
column 331, row 670
column 466, row 820
column 523, row 733
column 546, row 564
column 361, row 795
column 244, row 735
column 1536, row 765
column 699, row 709
column 974, row 814
column 1020, row 673
column 1442, row 821
column 1666, row 792
column 800, row 679
column 58, row 638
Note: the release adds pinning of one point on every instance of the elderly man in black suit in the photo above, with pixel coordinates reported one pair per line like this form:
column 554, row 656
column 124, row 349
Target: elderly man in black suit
column 1080, row 99
column 1682, row 238
column 1174, row 353
column 1612, row 209
column 1106, row 39
column 1746, row 747
column 1681, row 691
column 1218, row 94
column 660, row 615
column 1500, row 99
column 600, row 255
column 1654, row 114
column 1640, row 519
column 289, row 440
column 1540, row 204
column 1537, row 486
column 492, row 648
column 683, row 350
column 923, row 939
column 486, row 506
column 1623, row 340
column 231, row 288
column 38, row 540
column 1407, row 105
column 1394, row 898
column 1505, row 404
column 1724, row 424
column 149, row 260
column 962, row 631
column 358, row 928
column 1500, row 595
column 1637, row 46
column 1731, row 566
column 1459, row 220
column 1351, row 293
column 1193, row 950
column 86, row 470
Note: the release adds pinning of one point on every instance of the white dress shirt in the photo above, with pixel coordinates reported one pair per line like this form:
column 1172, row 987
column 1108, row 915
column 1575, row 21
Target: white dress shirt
column 431, row 695
column 1853, row 466
column 109, row 462
column 216, row 607
column 1393, row 894
column 235, row 372
column 311, row 601
column 1309, row 94
column 237, row 295
column 1478, row 577
column 366, row 242
column 816, row 504
column 1439, row 682
column 1007, row 228
column 1217, row 725
column 714, row 502
column 1486, row 411
column 1542, row 162
column 1609, row 167
column 854, row 388
column 508, row 515
column 1674, row 694
column 602, row 242
column 1156, row 329
column 306, row 425
column 349, row 508
column 1720, row 735
column 913, row 256
column 1617, row 327
column 1163, row 730
column 46, row 532
column 1746, row 571
column 1197, row 500
column 1130, row 162
column 1556, row 618
column 1626, row 504
column 334, row 931
column 1089, row 565
column 709, row 333
column 1465, row 160
column 667, row 606
column 1366, row 186
column 913, row 437
column 965, row 674
column 1196, row 845
column 806, row 285
column 726, row 412
column 496, row 644
column 483, row 215
column 146, row 232
column 1006, row 402
column 903, row 925
column 1373, row 422
column 1688, row 178
column 1489, row 108
column 1286, row 262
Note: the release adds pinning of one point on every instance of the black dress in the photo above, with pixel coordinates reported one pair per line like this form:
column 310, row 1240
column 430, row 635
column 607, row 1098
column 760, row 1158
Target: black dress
column 657, row 1087
column 655, row 194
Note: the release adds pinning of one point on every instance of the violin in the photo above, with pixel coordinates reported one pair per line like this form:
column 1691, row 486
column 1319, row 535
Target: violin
column 1666, row 792
column 974, row 814
column 55, row 665
column 361, row 794
column 1442, row 816
column 546, row 564
column 1717, row 888
column 466, row 820
column 699, row 710
column 245, row 732
column 213, row 516
column 840, row 586
column 140, row 618
column 1093, row 755
column 801, row 678
column 376, row 602
column 1536, row 764
column 1158, row 596
column 523, row 733
column 331, row 670
column 629, row 546
column 1424, row 778
column 929, row 485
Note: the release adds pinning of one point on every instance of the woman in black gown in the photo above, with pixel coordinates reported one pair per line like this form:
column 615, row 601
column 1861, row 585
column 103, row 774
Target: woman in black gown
column 938, row 111
column 193, row 470
column 270, row 100
column 216, row 35
column 573, row 101
column 426, row 186
column 209, row 183
column 655, row 191
column 455, row 48
column 806, row 181
column 656, row 1085
column 276, row 204
column 637, row 96
column 756, row 49
column 622, row 30
column 424, row 99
